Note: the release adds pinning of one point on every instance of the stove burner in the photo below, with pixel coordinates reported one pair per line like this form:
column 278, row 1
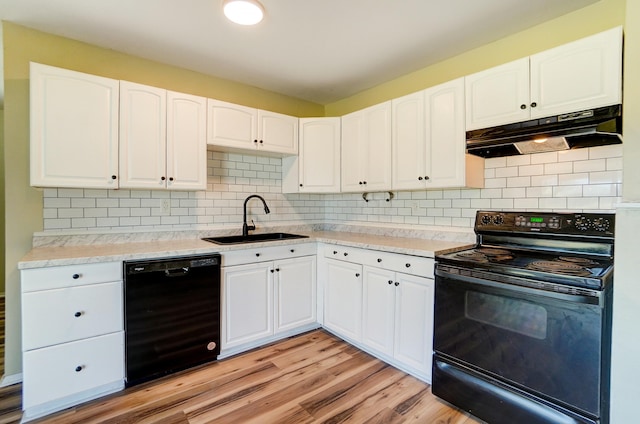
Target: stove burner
column 563, row 267
column 485, row 254
column 578, row 260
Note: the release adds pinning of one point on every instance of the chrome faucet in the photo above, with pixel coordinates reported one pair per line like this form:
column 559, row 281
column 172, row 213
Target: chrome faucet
column 245, row 227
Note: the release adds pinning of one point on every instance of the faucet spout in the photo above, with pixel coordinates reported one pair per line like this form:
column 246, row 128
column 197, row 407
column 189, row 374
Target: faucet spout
column 245, row 227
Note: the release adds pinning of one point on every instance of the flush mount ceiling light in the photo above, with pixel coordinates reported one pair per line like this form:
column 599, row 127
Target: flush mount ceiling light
column 243, row 12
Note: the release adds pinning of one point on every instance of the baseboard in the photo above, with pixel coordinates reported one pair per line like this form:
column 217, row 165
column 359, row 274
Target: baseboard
column 10, row 380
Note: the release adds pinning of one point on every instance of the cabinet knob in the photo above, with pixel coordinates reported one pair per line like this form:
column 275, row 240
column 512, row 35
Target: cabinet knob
column 79, row 368
column 379, row 260
column 364, row 182
column 419, row 178
column 534, row 104
column 335, row 252
column 407, row 265
column 257, row 255
column 113, row 177
column 293, row 250
column 170, row 178
column 271, row 271
column 523, row 107
column 75, row 276
column 255, row 141
column 163, row 178
column 360, row 182
column 260, row 141
column 277, row 269
column 426, row 177
column 357, row 274
column 77, row 314
column 300, row 185
column 396, row 284
column 390, row 282
column 346, row 254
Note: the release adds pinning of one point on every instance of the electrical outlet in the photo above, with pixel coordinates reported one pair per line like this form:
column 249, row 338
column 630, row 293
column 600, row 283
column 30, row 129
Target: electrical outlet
column 165, row 207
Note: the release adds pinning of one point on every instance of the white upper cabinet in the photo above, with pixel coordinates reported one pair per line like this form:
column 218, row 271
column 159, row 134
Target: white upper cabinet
column 74, row 129
column 429, row 141
column 186, row 141
column 584, row 74
column 366, row 149
column 318, row 161
column 237, row 127
column 162, row 139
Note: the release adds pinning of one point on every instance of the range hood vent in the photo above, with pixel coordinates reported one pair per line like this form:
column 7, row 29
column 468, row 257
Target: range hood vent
column 587, row 128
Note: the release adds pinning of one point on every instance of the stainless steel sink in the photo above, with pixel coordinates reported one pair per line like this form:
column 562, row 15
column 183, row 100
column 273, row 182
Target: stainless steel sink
column 252, row 238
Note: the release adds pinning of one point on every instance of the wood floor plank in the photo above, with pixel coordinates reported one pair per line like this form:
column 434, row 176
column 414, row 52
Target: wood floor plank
column 312, row 378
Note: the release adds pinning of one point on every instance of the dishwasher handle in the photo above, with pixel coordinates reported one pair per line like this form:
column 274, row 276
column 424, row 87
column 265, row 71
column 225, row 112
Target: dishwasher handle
column 176, row 272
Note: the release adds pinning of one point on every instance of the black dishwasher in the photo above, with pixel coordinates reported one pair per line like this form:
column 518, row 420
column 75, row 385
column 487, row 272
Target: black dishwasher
column 172, row 315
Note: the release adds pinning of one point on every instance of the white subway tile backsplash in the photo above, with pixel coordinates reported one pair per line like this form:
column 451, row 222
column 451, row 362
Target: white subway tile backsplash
column 584, row 179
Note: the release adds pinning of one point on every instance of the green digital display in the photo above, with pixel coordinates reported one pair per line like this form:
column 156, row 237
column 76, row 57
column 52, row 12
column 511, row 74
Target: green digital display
column 536, row 219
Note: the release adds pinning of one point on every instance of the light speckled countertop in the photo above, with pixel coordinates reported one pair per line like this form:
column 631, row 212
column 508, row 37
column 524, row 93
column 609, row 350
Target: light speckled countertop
column 71, row 255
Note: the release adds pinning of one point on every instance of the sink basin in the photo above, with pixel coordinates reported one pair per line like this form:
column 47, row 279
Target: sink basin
column 252, row 238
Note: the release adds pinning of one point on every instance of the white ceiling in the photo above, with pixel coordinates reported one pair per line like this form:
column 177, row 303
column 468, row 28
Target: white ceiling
column 317, row 50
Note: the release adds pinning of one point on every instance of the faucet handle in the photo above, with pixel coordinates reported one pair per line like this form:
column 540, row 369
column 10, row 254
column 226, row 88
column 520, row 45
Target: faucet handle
column 252, row 226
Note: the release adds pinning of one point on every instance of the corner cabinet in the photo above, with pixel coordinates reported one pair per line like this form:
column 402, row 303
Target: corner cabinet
column 240, row 128
column 74, row 128
column 316, row 169
column 382, row 303
column 267, row 294
column 72, row 335
column 580, row 75
column 428, row 141
column 366, row 149
column 162, row 139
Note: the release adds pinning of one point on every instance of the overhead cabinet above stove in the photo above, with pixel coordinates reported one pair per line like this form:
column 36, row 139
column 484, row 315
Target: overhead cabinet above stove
column 580, row 75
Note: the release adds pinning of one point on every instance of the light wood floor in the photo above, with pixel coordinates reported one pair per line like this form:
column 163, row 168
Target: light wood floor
column 311, row 378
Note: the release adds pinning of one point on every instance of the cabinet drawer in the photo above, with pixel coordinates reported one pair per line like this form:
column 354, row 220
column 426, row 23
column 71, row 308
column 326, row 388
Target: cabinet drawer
column 59, row 371
column 349, row 254
column 70, row 275
column 56, row 316
column 415, row 265
column 271, row 253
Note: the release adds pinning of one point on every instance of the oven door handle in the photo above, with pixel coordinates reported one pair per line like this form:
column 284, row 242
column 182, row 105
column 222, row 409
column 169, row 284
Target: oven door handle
column 594, row 299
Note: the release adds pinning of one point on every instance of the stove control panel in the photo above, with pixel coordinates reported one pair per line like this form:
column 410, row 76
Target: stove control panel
column 597, row 224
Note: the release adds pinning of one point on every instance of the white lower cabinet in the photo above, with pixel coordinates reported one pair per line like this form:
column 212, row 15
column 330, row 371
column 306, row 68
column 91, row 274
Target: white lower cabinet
column 72, row 332
column 383, row 303
column 343, row 299
column 264, row 301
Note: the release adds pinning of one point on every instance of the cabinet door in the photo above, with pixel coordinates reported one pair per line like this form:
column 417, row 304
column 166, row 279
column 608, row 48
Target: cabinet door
column 498, row 95
column 581, row 75
column 143, row 111
column 319, row 160
column 376, row 145
column 186, row 142
column 343, row 299
column 445, row 135
column 414, row 322
column 408, row 142
column 247, row 309
column 231, row 125
column 278, row 133
column 351, row 150
column 295, row 293
column 73, row 129
column 378, row 309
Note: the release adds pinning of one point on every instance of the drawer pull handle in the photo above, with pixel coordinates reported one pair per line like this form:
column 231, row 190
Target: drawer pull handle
column 396, row 284
column 75, row 276
column 390, row 282
column 77, row 314
column 79, row 368
column 407, row 265
column 357, row 274
column 379, row 260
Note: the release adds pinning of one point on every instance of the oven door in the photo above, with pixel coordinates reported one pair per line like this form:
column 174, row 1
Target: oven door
column 545, row 344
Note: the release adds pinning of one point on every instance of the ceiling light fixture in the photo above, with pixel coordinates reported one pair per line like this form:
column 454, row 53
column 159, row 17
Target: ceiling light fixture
column 243, row 12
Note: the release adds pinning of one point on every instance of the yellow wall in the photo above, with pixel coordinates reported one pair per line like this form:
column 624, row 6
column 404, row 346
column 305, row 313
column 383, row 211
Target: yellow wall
column 2, row 249
column 598, row 17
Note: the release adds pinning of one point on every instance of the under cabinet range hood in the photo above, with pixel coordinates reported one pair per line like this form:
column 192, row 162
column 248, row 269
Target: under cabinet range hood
column 587, row 128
